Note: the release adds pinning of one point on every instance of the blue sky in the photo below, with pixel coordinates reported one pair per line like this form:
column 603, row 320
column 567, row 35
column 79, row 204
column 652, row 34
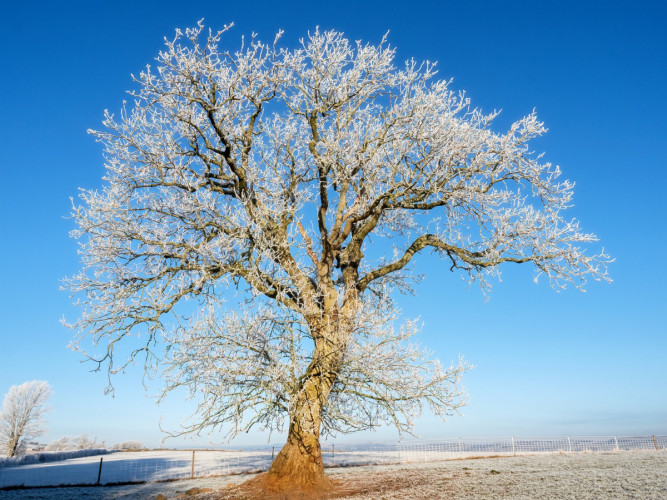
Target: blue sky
column 546, row 363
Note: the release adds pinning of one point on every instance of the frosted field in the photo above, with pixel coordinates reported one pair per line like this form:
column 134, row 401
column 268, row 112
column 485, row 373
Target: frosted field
column 134, row 466
column 160, row 465
column 615, row 475
column 581, row 476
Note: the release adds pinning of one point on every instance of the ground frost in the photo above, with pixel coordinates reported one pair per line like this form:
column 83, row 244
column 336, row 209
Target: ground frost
column 620, row 475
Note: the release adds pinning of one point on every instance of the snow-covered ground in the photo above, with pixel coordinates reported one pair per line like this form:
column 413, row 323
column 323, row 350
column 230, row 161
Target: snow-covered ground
column 134, row 466
column 161, row 465
column 581, row 476
column 612, row 475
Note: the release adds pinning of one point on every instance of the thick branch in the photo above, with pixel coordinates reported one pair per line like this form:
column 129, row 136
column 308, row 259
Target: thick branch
column 475, row 259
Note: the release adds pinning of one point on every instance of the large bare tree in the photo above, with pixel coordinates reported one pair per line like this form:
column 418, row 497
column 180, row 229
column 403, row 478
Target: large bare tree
column 305, row 180
column 22, row 415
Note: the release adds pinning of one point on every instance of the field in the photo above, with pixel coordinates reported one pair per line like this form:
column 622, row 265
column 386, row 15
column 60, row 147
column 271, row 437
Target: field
column 615, row 475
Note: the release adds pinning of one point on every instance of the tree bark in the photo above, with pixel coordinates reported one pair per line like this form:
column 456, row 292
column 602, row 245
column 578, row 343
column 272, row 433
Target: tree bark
column 299, row 464
column 13, row 446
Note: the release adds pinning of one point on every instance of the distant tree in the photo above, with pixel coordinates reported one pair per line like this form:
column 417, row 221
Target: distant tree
column 61, row 444
column 22, row 415
column 128, row 445
column 308, row 180
column 82, row 442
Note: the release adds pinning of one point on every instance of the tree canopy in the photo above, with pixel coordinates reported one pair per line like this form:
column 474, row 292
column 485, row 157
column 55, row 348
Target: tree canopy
column 307, row 180
column 22, row 415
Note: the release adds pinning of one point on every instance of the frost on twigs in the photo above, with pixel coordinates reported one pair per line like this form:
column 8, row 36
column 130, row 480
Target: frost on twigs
column 247, row 370
column 22, row 416
column 306, row 179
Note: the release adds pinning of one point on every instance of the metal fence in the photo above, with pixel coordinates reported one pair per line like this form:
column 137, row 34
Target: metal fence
column 159, row 465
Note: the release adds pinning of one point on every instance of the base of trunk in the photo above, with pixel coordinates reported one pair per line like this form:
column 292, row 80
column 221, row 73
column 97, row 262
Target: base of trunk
column 265, row 486
column 299, row 466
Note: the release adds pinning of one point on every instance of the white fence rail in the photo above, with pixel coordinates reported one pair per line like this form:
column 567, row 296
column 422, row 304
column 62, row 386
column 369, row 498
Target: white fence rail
column 158, row 465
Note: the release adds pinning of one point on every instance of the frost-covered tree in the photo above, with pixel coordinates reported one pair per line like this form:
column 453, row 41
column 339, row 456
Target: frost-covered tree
column 82, row 442
column 21, row 418
column 128, row 445
column 305, row 180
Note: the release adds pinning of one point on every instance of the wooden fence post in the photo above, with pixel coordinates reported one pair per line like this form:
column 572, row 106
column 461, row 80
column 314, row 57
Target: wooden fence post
column 655, row 443
column 99, row 472
column 192, row 472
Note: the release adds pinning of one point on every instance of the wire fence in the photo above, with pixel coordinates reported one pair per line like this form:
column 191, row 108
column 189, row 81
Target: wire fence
column 160, row 465
column 473, row 447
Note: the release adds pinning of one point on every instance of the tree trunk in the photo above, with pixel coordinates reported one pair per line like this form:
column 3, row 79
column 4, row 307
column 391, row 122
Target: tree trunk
column 299, row 464
column 12, row 446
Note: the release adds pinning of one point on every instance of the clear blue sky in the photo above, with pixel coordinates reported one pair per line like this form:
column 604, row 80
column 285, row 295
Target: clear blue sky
column 547, row 363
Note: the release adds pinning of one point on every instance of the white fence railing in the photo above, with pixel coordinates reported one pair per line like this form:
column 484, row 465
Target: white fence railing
column 161, row 465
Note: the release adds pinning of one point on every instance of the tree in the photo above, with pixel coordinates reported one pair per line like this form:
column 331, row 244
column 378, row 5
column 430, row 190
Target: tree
column 82, row 442
column 128, row 445
column 22, row 415
column 304, row 182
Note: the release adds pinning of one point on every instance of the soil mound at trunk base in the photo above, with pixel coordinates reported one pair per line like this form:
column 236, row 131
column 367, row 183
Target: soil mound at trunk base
column 261, row 488
column 265, row 487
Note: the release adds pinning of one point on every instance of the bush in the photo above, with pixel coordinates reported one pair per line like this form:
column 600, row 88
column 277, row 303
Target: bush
column 52, row 456
column 82, row 442
column 128, row 445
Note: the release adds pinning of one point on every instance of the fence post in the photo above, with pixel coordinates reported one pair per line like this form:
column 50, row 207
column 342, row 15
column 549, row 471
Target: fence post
column 616, row 441
column 655, row 443
column 513, row 449
column 273, row 451
column 99, row 472
column 192, row 471
column 569, row 444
